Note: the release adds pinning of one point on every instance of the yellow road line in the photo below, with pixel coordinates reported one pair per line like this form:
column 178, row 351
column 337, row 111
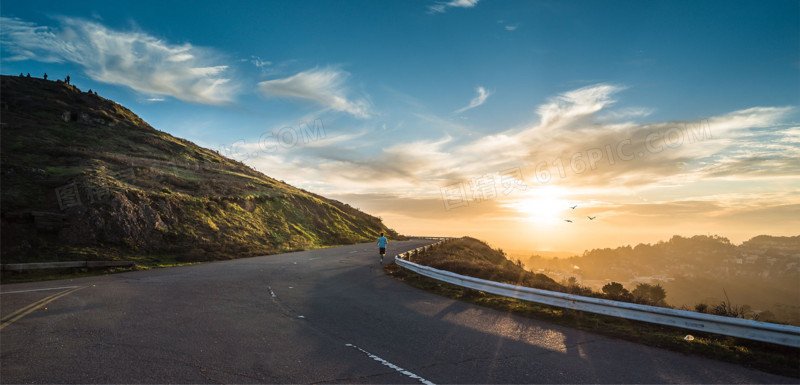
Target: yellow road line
column 9, row 319
column 32, row 290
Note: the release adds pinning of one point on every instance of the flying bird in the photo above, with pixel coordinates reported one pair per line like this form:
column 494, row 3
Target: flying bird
column 573, row 207
column 591, row 218
column 568, row 220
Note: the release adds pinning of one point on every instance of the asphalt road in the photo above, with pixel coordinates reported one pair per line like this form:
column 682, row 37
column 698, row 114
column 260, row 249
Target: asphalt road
column 321, row 316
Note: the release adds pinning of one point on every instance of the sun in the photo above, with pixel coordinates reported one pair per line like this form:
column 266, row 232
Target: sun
column 544, row 205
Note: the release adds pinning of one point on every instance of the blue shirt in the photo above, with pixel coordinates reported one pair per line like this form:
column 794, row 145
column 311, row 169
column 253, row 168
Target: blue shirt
column 382, row 242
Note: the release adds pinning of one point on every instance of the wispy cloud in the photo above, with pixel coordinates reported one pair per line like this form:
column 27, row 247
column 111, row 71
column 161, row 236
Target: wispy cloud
column 582, row 144
column 575, row 143
column 441, row 7
column 508, row 26
column 258, row 62
column 625, row 114
column 133, row 59
column 325, row 86
column 479, row 99
column 576, row 104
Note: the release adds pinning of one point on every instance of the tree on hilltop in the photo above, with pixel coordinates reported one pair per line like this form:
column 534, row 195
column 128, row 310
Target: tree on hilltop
column 616, row 291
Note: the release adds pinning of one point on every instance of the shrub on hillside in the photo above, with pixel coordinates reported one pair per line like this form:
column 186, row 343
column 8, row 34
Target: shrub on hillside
column 615, row 291
column 648, row 294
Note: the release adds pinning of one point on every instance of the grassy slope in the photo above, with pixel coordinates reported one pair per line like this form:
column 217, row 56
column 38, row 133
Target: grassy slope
column 144, row 194
column 468, row 256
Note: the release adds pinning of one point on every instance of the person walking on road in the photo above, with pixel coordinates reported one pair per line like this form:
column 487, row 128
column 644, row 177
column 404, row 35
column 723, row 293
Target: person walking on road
column 382, row 241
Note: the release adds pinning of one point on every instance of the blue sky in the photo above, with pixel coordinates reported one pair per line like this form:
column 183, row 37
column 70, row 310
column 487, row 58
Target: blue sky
column 418, row 98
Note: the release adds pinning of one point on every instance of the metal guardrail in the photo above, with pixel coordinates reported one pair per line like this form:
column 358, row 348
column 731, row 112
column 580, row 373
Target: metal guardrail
column 786, row 335
column 421, row 249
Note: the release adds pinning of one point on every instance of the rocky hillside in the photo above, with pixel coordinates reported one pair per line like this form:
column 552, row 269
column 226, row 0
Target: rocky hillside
column 85, row 178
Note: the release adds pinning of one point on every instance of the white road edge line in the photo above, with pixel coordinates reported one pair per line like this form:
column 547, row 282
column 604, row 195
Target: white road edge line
column 31, row 290
column 393, row 366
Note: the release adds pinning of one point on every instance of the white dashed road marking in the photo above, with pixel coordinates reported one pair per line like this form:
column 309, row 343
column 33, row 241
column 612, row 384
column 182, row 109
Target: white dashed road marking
column 393, row 366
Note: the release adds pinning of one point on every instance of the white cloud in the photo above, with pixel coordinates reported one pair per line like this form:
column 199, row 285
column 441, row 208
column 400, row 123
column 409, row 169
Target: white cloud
column 441, row 7
column 512, row 27
column 322, row 86
column 625, row 114
column 463, row 3
column 792, row 136
column 582, row 102
column 755, row 117
column 476, row 101
column 132, row 59
column 575, row 143
column 582, row 144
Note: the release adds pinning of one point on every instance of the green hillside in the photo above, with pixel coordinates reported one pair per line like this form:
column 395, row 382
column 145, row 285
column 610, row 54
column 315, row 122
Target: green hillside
column 85, row 178
column 474, row 258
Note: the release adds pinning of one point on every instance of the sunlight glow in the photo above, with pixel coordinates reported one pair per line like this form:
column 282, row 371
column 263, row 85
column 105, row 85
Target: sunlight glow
column 545, row 205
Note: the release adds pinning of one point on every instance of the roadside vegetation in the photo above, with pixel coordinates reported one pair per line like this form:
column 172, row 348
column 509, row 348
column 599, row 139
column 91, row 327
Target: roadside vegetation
column 471, row 257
